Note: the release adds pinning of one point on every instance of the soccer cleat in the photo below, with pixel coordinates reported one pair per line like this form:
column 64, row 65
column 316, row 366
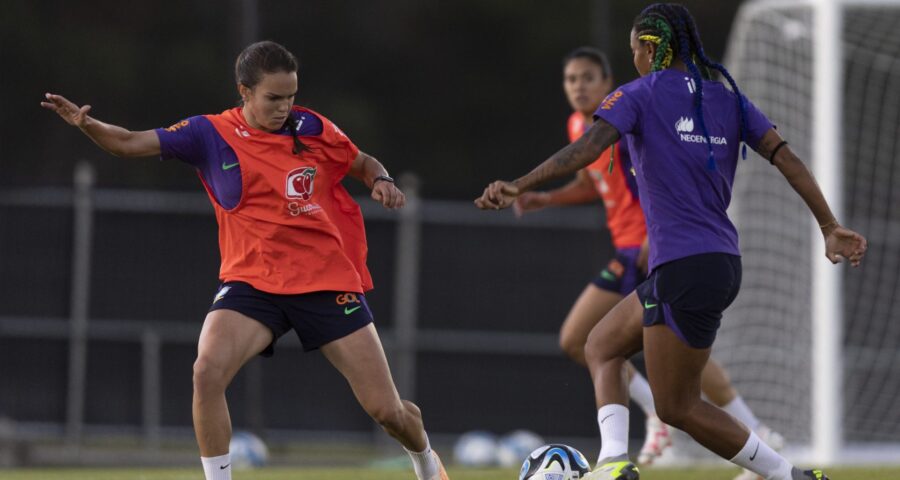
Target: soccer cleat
column 442, row 473
column 656, row 441
column 621, row 470
column 770, row 438
column 815, row 475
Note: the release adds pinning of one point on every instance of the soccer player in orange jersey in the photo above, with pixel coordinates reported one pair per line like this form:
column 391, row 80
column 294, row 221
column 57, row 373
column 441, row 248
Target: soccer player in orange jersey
column 587, row 80
column 292, row 243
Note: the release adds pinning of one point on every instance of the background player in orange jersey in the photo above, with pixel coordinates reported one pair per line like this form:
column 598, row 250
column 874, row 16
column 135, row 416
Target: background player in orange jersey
column 292, row 242
column 587, row 80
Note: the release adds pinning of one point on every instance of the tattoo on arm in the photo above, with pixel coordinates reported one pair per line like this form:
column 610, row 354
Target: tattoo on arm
column 573, row 157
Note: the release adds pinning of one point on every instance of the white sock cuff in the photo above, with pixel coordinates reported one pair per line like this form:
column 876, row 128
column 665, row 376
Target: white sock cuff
column 217, row 468
column 423, row 462
column 739, row 409
column 639, row 391
column 759, row 458
column 613, row 422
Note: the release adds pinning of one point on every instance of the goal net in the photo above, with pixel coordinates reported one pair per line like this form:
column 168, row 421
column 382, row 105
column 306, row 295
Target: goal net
column 768, row 337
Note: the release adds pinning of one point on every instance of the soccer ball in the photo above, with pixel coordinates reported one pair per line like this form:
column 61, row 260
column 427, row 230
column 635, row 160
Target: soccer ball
column 247, row 451
column 477, row 448
column 554, row 462
column 514, row 446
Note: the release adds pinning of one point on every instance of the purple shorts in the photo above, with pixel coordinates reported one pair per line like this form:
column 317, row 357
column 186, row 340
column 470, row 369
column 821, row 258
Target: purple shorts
column 622, row 274
column 689, row 295
column 317, row 317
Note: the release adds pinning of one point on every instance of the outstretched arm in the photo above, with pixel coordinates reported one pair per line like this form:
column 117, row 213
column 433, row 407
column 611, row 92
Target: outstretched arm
column 573, row 157
column 840, row 242
column 115, row 140
column 580, row 190
column 367, row 169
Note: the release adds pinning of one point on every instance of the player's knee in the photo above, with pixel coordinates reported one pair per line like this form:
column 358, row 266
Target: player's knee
column 572, row 347
column 671, row 413
column 594, row 355
column 208, row 376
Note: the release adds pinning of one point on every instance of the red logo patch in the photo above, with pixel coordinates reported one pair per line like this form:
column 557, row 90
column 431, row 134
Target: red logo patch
column 300, row 183
column 616, row 268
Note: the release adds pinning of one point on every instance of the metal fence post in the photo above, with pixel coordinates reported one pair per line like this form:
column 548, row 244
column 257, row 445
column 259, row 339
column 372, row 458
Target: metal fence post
column 406, row 287
column 151, row 384
column 79, row 301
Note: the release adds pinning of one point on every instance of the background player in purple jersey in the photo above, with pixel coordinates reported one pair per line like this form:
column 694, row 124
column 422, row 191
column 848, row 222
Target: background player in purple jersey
column 684, row 133
column 587, row 80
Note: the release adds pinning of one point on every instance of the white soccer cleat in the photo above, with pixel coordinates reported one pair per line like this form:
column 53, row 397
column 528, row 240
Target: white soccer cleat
column 656, row 441
column 770, row 438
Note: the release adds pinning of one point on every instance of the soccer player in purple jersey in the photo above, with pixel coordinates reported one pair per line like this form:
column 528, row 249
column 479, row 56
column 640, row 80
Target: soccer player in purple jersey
column 683, row 132
column 587, row 80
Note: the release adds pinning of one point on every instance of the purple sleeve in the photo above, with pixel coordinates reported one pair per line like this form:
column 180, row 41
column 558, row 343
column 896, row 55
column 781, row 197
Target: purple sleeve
column 622, row 108
column 183, row 141
column 757, row 125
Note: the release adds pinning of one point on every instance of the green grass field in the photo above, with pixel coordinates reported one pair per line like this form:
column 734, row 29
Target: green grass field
column 385, row 474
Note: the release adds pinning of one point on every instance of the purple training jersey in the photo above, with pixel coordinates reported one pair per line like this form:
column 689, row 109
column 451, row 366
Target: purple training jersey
column 196, row 142
column 684, row 201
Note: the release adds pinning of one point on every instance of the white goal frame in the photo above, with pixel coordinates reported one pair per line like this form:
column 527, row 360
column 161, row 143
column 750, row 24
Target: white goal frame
column 828, row 446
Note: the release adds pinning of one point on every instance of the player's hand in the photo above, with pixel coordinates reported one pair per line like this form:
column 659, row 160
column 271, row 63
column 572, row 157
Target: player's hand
column 842, row 243
column 388, row 195
column 497, row 195
column 530, row 201
column 71, row 113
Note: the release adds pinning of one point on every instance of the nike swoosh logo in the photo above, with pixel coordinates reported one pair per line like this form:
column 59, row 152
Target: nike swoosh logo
column 604, row 418
column 226, row 166
column 348, row 310
column 754, row 453
column 223, row 467
column 649, row 305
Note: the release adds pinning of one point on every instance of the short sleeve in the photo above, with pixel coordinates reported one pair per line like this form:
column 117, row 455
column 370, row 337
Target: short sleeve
column 183, row 141
column 347, row 151
column 757, row 125
column 622, row 108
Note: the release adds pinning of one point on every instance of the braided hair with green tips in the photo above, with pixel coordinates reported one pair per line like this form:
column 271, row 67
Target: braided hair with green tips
column 672, row 28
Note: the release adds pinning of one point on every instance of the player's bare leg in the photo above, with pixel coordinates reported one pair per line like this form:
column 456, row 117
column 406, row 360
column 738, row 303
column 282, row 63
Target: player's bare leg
column 588, row 310
column 719, row 390
column 615, row 338
column 360, row 359
column 590, row 307
column 674, row 370
column 227, row 341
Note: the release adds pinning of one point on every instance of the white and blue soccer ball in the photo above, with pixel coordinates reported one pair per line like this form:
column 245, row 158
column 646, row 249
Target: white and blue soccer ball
column 514, row 446
column 554, row 462
column 477, row 448
column 247, row 451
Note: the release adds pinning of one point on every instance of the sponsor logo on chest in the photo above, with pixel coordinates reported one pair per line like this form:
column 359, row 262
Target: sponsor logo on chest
column 684, row 128
column 299, row 189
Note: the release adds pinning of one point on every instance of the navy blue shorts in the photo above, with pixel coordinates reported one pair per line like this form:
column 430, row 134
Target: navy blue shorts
column 689, row 295
column 622, row 274
column 317, row 317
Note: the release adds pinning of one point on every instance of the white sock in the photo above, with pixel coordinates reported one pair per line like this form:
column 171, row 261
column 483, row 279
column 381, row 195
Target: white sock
column 640, row 392
column 759, row 458
column 739, row 410
column 424, row 462
column 613, row 422
column 217, row 468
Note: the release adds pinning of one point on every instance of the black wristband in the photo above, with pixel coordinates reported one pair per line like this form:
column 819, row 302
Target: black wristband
column 382, row 178
column 778, row 147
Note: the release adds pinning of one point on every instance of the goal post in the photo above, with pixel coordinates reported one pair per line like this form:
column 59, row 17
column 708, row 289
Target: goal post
column 813, row 347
